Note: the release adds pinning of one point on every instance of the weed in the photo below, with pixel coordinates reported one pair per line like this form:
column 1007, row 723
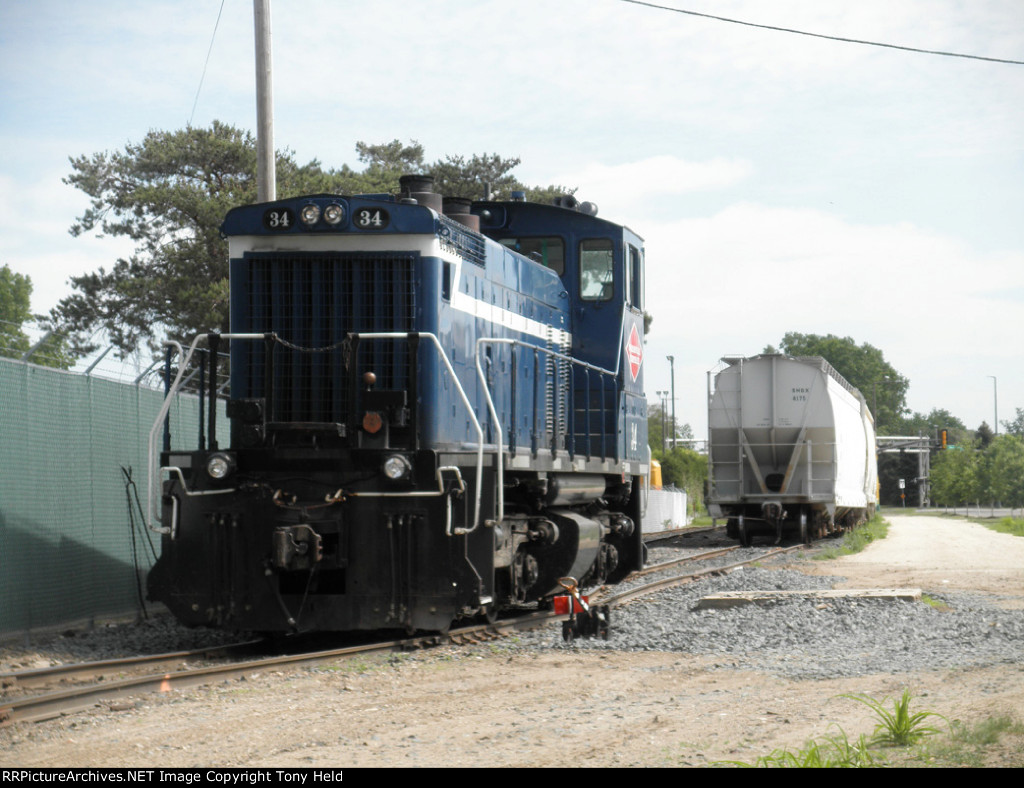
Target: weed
column 987, row 732
column 974, row 745
column 1008, row 525
column 965, row 746
column 898, row 727
column 857, row 539
column 931, row 601
column 830, row 752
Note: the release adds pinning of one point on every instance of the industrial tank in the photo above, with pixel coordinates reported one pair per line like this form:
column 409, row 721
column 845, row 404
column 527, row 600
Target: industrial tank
column 791, row 448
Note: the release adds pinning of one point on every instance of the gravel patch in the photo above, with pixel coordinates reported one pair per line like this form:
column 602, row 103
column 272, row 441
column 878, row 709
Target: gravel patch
column 157, row 635
column 810, row 638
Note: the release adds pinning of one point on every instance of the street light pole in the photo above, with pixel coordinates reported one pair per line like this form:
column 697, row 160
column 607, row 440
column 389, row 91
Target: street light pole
column 672, row 366
column 995, row 402
column 661, row 398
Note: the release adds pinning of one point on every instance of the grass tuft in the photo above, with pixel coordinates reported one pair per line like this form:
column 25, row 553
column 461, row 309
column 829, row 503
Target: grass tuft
column 991, row 742
column 938, row 604
column 857, row 539
column 830, row 752
column 899, row 727
column 1007, row 525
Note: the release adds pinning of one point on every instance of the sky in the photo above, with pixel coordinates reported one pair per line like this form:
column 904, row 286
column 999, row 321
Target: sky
column 781, row 182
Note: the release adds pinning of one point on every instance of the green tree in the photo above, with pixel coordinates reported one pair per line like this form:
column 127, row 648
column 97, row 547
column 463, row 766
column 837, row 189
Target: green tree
column 1015, row 427
column 385, row 164
column 687, row 470
column 865, row 367
column 930, row 425
column 984, row 435
column 454, row 176
column 659, row 429
column 169, row 194
column 15, row 301
column 955, row 477
column 1006, row 470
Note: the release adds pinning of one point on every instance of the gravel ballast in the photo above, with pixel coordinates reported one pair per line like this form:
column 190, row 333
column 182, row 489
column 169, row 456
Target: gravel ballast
column 808, row 637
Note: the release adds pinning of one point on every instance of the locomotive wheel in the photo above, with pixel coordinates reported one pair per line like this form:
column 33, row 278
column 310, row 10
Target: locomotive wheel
column 805, row 532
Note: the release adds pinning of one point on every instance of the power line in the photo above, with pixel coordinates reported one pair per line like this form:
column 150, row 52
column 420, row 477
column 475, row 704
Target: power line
column 821, row 35
column 208, row 52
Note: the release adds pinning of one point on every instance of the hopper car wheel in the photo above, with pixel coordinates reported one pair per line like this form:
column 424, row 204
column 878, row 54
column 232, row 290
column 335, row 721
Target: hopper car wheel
column 805, row 531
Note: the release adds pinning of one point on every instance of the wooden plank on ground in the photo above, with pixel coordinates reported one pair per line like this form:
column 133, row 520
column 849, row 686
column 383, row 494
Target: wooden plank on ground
column 737, row 598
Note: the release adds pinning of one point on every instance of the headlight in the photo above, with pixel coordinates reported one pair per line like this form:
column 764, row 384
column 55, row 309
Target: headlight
column 396, row 467
column 310, row 214
column 334, row 213
column 220, row 465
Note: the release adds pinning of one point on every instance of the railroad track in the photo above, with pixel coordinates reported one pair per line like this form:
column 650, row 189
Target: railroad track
column 635, row 592
column 105, row 682
column 104, row 670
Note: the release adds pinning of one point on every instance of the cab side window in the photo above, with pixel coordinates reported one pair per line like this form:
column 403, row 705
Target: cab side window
column 550, row 251
column 635, row 279
column 597, row 267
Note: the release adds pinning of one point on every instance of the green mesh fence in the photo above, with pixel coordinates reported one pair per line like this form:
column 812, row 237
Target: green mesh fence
column 67, row 548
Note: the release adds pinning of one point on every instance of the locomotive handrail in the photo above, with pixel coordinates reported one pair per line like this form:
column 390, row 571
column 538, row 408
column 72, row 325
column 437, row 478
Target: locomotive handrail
column 154, row 474
column 496, row 421
column 465, row 401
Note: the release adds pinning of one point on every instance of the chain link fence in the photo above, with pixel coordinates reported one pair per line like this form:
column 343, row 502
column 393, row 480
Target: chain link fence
column 73, row 446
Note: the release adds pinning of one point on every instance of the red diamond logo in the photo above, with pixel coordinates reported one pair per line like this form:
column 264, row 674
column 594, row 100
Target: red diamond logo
column 634, row 352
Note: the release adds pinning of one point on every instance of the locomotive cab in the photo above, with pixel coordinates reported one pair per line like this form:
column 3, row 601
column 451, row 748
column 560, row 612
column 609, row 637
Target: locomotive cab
column 601, row 266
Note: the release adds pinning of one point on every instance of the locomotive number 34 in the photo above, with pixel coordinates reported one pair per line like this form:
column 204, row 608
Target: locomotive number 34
column 372, row 219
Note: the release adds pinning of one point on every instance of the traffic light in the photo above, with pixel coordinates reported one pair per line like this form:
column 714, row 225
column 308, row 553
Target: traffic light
column 943, row 435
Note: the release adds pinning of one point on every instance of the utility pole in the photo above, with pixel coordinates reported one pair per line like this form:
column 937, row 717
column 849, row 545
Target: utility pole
column 266, row 172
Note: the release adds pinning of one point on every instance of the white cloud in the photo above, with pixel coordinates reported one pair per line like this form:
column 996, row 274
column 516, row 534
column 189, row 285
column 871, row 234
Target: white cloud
column 34, row 240
column 943, row 314
column 657, row 176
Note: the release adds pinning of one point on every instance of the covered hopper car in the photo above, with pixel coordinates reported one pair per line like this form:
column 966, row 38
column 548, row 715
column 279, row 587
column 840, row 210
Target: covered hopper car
column 792, row 449
column 436, row 411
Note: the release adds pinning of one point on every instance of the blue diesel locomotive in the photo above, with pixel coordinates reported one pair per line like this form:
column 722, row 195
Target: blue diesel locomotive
column 436, row 412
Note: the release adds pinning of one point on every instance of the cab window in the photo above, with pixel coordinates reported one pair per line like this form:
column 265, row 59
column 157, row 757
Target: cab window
column 635, row 279
column 550, row 251
column 597, row 266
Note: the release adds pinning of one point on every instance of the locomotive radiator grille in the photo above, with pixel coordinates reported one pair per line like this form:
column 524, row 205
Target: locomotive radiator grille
column 312, row 302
